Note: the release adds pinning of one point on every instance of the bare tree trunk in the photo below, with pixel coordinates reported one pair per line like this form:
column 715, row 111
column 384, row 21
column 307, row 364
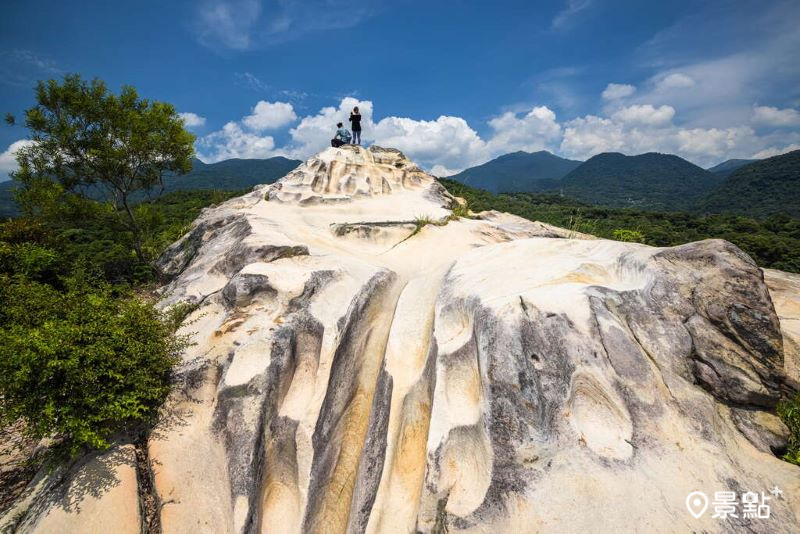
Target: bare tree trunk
column 135, row 230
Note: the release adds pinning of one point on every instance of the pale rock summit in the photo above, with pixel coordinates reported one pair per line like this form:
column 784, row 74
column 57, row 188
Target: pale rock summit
column 364, row 361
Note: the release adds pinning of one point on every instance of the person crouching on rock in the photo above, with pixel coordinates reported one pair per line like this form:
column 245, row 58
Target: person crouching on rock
column 342, row 136
column 355, row 124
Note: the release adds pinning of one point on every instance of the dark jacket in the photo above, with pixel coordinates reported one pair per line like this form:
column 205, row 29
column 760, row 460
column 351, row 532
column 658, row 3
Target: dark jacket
column 355, row 120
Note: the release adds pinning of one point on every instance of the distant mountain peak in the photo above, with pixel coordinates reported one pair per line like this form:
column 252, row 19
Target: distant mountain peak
column 518, row 171
column 728, row 166
column 651, row 180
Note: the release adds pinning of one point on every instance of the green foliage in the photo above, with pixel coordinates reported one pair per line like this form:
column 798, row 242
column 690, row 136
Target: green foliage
column 229, row 175
column 90, row 235
column 460, row 210
column 578, row 223
column 80, row 364
column 727, row 167
column 629, row 236
column 651, row 181
column 232, row 174
column 25, row 250
column 772, row 242
column 789, row 412
column 421, row 222
column 81, row 359
column 518, row 172
column 84, row 136
column 175, row 315
column 27, row 259
column 759, row 189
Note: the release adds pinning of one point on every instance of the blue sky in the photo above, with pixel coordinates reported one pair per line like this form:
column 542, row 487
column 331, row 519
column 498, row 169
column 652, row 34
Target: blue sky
column 452, row 83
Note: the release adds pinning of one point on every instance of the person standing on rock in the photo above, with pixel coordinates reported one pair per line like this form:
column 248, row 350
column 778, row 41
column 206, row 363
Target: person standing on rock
column 355, row 125
column 342, row 136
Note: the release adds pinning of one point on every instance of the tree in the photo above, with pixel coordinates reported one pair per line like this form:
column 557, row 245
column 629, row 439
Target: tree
column 85, row 136
column 80, row 359
column 80, row 364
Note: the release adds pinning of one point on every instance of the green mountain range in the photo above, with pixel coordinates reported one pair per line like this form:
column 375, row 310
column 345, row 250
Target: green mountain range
column 650, row 181
column 653, row 181
column 518, row 172
column 759, row 189
column 728, row 166
column 232, row 174
column 228, row 175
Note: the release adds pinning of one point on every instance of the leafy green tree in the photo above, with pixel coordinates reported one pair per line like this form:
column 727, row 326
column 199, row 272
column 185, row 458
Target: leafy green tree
column 82, row 360
column 81, row 364
column 85, row 136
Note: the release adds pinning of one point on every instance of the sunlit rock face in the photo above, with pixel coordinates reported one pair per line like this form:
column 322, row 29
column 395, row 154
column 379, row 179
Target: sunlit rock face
column 785, row 291
column 356, row 370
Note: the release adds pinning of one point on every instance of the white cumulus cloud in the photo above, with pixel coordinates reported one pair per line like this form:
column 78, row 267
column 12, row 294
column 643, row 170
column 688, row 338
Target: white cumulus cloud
column 536, row 130
column 615, row 91
column 705, row 145
column 587, row 136
column 269, row 116
column 192, row 120
column 775, row 151
column 449, row 144
column 590, row 135
column 232, row 141
column 645, row 115
column 770, row 116
column 447, row 141
column 8, row 162
column 442, row 171
column 314, row 132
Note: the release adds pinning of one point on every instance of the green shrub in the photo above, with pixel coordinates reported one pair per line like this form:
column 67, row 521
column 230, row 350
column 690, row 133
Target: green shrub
column 80, row 359
column 81, row 364
column 789, row 412
column 628, row 236
column 175, row 315
column 460, row 210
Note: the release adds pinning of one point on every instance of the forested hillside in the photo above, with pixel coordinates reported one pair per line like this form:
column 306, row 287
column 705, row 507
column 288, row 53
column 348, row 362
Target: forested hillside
column 651, row 181
column 773, row 242
column 518, row 171
column 759, row 189
column 728, row 166
column 228, row 175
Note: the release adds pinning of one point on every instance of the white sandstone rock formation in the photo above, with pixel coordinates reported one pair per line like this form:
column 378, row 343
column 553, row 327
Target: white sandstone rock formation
column 785, row 291
column 355, row 370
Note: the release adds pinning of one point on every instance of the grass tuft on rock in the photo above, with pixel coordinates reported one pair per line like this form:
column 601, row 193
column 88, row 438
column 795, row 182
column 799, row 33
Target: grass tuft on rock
column 789, row 412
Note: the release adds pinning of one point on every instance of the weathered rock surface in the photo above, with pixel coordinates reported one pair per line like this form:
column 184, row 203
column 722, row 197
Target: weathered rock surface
column 785, row 291
column 356, row 370
column 99, row 493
